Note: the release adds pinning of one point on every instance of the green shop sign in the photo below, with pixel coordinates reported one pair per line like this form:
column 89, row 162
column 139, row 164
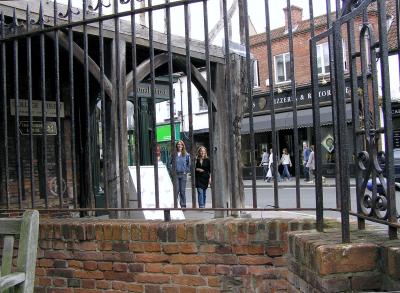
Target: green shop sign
column 164, row 132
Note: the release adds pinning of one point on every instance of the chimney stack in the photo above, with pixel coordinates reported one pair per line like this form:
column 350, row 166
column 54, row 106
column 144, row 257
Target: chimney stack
column 296, row 15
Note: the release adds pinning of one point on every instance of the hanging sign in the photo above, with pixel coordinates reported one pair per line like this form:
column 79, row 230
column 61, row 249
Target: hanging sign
column 23, row 109
column 37, row 129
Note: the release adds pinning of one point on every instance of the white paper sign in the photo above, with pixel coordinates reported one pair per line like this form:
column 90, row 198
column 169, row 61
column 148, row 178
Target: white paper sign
column 148, row 191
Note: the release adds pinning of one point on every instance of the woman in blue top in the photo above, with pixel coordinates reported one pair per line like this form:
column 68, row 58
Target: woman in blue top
column 182, row 163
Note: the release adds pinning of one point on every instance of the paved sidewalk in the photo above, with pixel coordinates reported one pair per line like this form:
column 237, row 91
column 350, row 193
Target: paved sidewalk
column 329, row 182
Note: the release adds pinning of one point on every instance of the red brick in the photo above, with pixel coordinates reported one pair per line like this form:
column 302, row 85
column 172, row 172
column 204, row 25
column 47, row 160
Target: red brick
column 77, row 290
column 90, row 265
column 58, row 282
column 189, row 280
column 103, row 284
column 207, row 270
column 170, row 289
column 153, row 278
column 105, row 245
column 171, row 269
column 188, row 259
column 116, row 232
column 222, row 270
column 126, row 232
column 44, row 281
column 59, row 245
column 151, row 257
column 60, row 290
column 240, row 249
column 118, row 276
column 117, row 285
column 188, row 248
column 180, row 232
column 207, row 248
column 152, row 247
column 256, row 249
column 47, row 263
column 255, row 260
column 213, row 281
column 75, row 264
column 120, row 267
column 132, row 287
column 153, row 268
column 135, row 232
column 170, row 248
column 346, row 258
column 190, row 269
column 222, row 259
column 136, row 247
column 86, row 246
column 89, row 275
column 185, row 289
column 107, row 232
column 88, row 284
column 208, row 290
column 105, row 266
column 274, row 251
column 88, row 255
column 58, row 254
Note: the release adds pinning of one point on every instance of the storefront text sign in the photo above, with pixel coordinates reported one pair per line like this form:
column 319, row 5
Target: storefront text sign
column 23, row 110
column 37, row 128
column 303, row 98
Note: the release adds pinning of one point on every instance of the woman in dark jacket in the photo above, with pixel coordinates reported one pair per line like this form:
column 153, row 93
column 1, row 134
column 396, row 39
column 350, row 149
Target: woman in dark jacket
column 202, row 175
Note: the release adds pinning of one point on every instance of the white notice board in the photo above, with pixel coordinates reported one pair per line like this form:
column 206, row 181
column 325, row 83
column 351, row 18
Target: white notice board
column 148, row 191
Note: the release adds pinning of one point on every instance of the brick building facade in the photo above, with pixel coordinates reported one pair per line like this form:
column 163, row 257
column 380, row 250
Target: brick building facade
column 283, row 101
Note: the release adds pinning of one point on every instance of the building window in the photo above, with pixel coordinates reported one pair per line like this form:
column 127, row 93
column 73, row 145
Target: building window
column 323, row 58
column 256, row 77
column 202, row 104
column 323, row 62
column 282, row 68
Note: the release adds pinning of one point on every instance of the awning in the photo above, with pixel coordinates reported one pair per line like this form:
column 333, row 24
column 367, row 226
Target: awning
column 284, row 120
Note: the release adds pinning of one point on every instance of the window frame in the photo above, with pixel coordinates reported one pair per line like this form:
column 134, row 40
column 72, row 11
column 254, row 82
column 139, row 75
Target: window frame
column 287, row 78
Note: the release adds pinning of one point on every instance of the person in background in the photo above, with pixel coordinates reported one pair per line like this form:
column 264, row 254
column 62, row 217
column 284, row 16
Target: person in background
column 182, row 163
column 306, row 155
column 271, row 168
column 286, row 162
column 265, row 163
column 202, row 175
column 311, row 165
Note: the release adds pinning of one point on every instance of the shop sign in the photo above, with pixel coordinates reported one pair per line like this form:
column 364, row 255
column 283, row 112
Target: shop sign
column 37, row 128
column 395, row 109
column 161, row 91
column 303, row 98
column 23, row 110
column 164, row 132
column 396, row 139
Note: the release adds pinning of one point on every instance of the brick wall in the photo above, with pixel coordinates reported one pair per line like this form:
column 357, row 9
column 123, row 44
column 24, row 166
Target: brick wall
column 222, row 255
column 318, row 262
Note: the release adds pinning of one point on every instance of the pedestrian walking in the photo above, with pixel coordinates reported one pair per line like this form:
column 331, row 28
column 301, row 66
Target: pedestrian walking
column 202, row 175
column 265, row 163
column 286, row 162
column 271, row 168
column 306, row 155
column 182, row 163
column 311, row 165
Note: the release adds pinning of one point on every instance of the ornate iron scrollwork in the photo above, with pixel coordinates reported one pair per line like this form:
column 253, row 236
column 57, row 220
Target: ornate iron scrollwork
column 70, row 11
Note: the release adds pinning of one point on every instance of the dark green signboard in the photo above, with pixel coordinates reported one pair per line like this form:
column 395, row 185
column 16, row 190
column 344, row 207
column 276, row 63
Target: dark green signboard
column 164, row 132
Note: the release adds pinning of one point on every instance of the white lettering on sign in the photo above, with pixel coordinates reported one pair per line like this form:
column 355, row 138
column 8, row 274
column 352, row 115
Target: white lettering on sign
column 23, row 108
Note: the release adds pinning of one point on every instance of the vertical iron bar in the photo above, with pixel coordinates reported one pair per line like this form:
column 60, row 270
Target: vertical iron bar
column 29, row 95
column 342, row 129
column 383, row 42
column 171, row 104
column 137, row 105
column 88, row 147
column 190, row 101
column 355, row 116
column 72, row 101
column 294, row 105
column 210, row 103
column 272, row 98
column 250, row 102
column 16, row 95
column 319, row 195
column 58, row 110
column 153, row 107
column 334, row 100
column 5, row 113
column 229, row 98
column 103, row 109
column 43, row 177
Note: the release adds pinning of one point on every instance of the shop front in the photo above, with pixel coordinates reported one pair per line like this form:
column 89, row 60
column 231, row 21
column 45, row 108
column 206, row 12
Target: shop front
column 284, row 127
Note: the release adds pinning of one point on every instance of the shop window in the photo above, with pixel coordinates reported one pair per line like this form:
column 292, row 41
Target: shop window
column 282, row 68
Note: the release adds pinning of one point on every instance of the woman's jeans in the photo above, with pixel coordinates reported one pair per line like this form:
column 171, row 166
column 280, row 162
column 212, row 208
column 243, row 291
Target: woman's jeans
column 286, row 171
column 201, row 196
column 182, row 189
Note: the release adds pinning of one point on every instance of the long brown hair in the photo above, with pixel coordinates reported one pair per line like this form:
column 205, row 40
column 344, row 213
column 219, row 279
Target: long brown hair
column 183, row 147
